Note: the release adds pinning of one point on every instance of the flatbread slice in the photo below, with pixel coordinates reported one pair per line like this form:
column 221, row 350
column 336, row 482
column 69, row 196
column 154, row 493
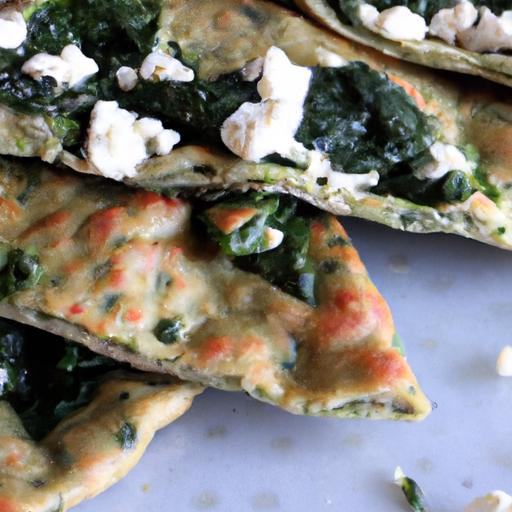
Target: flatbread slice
column 102, row 433
column 473, row 47
column 408, row 148
column 130, row 275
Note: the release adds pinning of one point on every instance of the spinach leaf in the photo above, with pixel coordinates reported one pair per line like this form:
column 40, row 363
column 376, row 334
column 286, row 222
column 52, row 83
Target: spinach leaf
column 169, row 330
column 44, row 377
column 363, row 121
column 127, row 436
column 20, row 270
column 288, row 265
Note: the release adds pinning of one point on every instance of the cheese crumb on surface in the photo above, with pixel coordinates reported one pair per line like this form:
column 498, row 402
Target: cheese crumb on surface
column 496, row 501
column 492, row 33
column 72, row 67
column 273, row 238
column 446, row 158
column 328, row 59
column 118, row 141
column 256, row 130
column 13, row 29
column 398, row 23
column 356, row 184
column 127, row 78
column 448, row 23
column 504, row 362
column 165, row 68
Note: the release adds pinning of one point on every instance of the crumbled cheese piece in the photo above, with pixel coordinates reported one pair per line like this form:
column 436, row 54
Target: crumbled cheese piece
column 398, row 23
column 496, row 501
column 118, row 142
column 165, row 68
column 126, row 78
column 328, row 59
column 256, row 130
column 273, row 238
column 504, row 362
column 72, row 67
column 492, row 33
column 13, row 29
column 282, row 80
column 356, row 184
column 446, row 158
column 448, row 23
column 252, row 70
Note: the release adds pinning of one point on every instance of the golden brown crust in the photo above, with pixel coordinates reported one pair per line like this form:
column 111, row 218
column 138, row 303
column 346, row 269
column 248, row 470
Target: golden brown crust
column 91, row 449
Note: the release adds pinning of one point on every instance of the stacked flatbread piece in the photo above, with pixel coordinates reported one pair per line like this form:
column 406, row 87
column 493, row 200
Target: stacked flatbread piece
column 168, row 190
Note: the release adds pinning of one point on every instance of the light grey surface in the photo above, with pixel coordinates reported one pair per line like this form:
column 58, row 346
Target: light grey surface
column 452, row 303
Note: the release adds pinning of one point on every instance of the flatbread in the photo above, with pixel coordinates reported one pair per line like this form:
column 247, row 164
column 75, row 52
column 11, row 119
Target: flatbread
column 122, row 272
column 225, row 36
column 434, row 53
column 100, row 437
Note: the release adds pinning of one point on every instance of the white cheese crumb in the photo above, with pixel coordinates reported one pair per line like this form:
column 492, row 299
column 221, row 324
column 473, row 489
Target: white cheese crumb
column 398, row 23
column 256, row 130
column 446, row 158
column 355, row 184
column 492, row 33
column 328, row 59
column 118, row 142
column 448, row 23
column 13, row 29
column 165, row 68
column 273, row 238
column 72, row 67
column 496, row 501
column 126, row 78
column 504, row 362
column 4, row 378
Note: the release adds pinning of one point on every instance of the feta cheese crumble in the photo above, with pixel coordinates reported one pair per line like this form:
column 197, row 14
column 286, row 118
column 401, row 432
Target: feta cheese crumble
column 504, row 362
column 448, row 23
column 273, row 238
column 356, row 184
column 118, row 142
column 446, row 158
column 163, row 67
column 72, row 67
column 127, row 78
column 496, row 501
column 256, row 130
column 398, row 23
column 328, row 59
column 492, row 33
column 13, row 29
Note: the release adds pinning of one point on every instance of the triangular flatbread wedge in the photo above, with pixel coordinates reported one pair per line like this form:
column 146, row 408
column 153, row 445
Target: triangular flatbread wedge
column 408, row 148
column 456, row 39
column 100, row 434
column 128, row 274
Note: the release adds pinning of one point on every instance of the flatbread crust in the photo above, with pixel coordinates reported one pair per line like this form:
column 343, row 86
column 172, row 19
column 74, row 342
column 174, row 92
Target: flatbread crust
column 118, row 261
column 85, row 454
column 429, row 52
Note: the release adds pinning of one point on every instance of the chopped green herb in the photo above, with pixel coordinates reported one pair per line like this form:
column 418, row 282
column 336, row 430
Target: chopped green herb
column 126, row 436
column 169, row 330
column 411, row 490
column 20, row 270
column 110, row 301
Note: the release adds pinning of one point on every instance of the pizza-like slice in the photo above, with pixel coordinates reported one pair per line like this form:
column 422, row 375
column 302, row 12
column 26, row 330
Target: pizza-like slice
column 468, row 36
column 247, row 93
column 253, row 293
column 73, row 423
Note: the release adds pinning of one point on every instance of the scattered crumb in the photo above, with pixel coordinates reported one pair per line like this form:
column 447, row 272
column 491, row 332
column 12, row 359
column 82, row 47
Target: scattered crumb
column 217, row 432
column 146, row 487
column 504, row 362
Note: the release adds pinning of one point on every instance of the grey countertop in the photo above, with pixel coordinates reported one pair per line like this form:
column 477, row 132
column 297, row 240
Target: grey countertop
column 452, row 303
